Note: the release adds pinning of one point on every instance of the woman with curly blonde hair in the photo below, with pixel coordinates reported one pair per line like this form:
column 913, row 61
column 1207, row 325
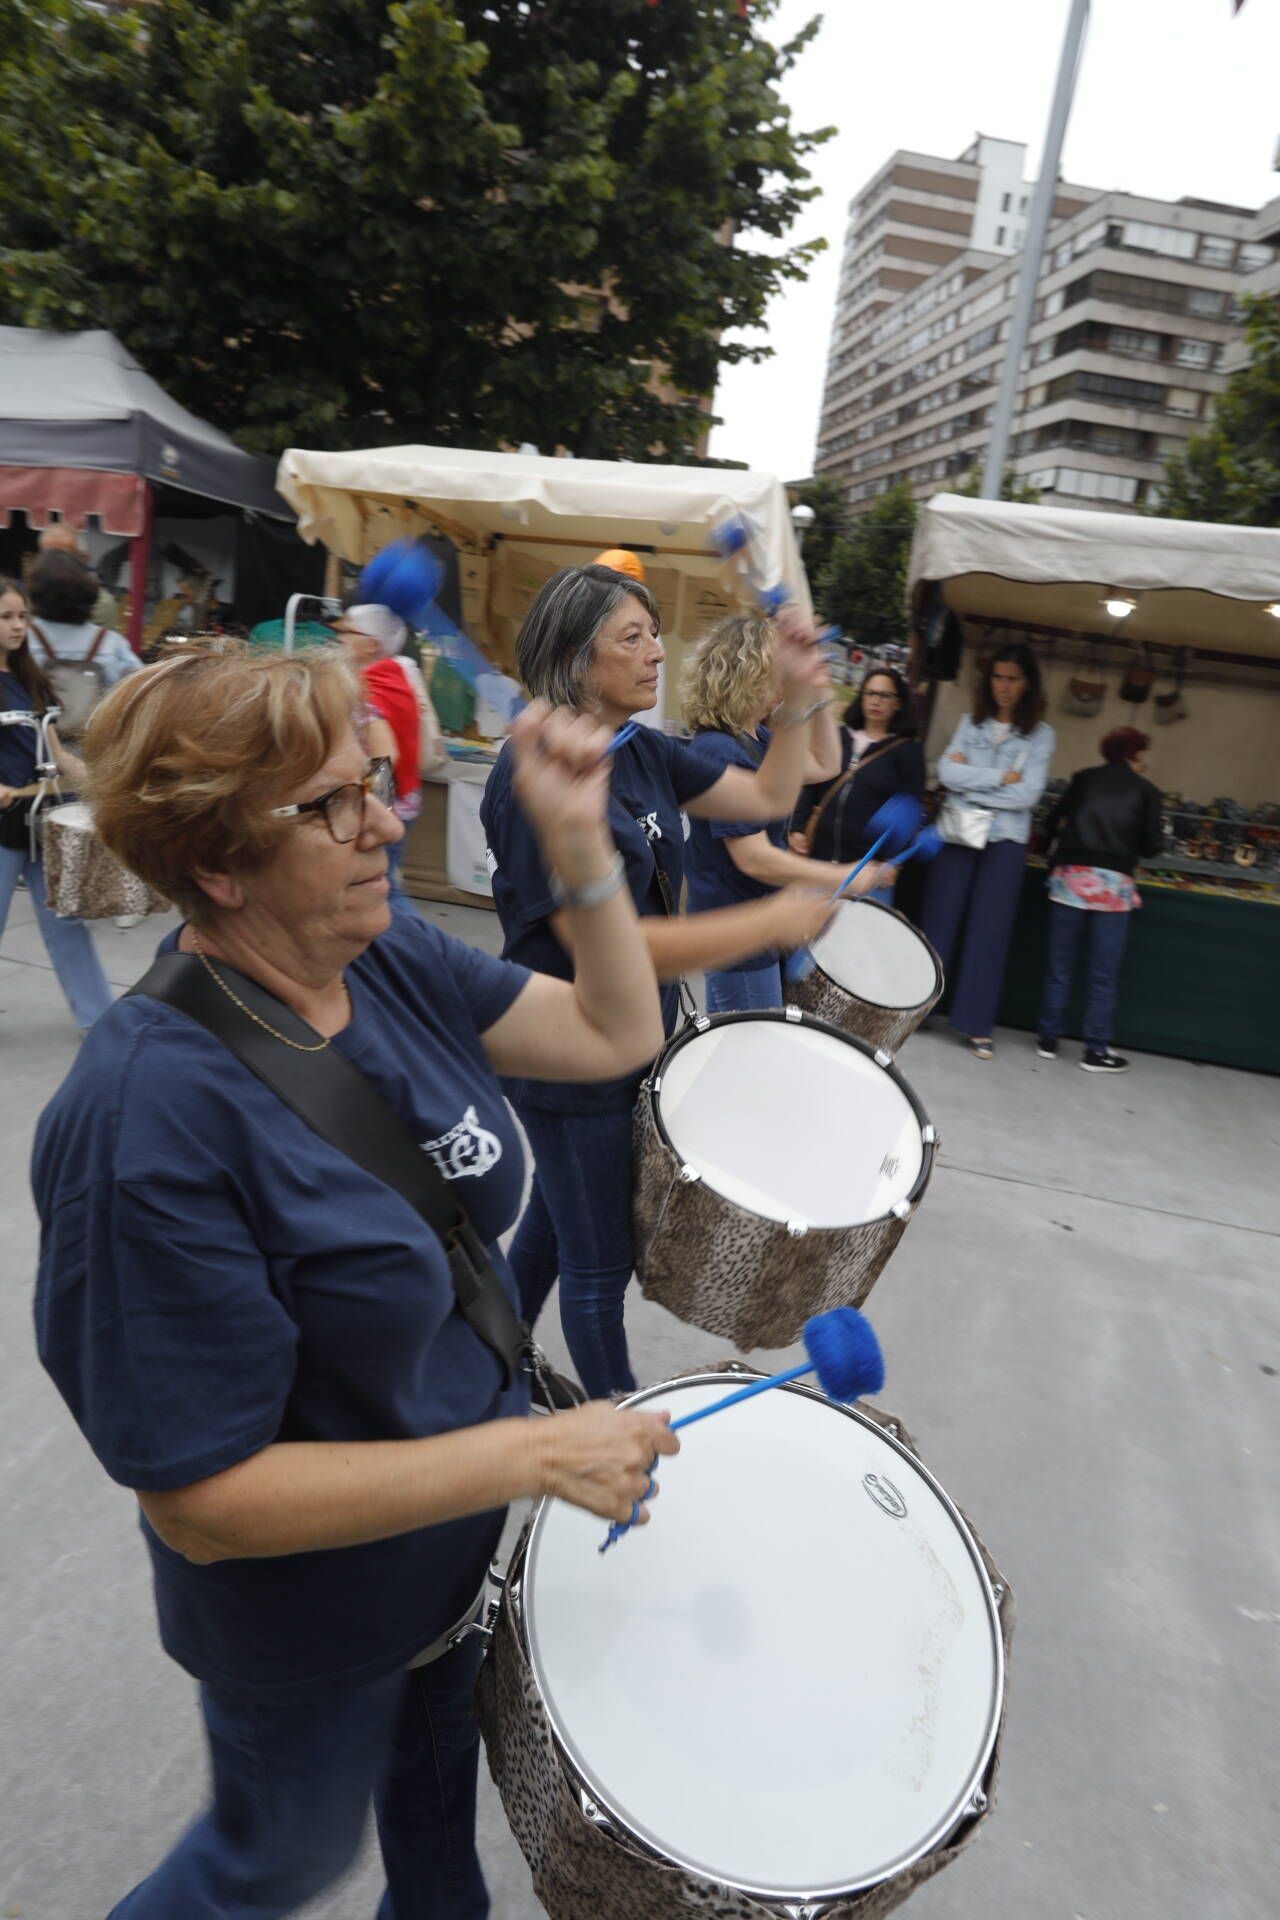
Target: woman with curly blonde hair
column 731, row 687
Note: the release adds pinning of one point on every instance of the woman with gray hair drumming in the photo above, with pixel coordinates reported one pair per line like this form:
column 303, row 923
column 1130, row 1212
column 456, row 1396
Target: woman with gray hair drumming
column 591, row 642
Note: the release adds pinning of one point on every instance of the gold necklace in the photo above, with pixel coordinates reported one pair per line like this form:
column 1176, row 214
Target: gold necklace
column 297, row 1045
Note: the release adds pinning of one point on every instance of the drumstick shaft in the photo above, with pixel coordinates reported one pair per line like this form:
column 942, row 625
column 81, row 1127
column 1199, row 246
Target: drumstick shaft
column 802, row 962
column 743, row 1393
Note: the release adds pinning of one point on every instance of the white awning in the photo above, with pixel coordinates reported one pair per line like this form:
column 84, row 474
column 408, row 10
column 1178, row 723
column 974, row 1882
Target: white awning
column 356, row 502
column 1195, row 585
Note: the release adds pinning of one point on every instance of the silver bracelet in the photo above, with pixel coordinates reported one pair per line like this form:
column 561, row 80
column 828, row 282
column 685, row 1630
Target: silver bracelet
column 782, row 718
column 593, row 895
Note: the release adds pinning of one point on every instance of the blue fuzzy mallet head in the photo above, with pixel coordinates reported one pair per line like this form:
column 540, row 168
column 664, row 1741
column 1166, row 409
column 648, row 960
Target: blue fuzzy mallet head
column 730, row 535
column 845, row 1353
column 405, row 576
column 898, row 821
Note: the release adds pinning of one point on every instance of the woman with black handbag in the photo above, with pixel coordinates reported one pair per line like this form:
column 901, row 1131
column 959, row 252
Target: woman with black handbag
column 29, row 741
column 879, row 757
column 992, row 772
column 309, row 1387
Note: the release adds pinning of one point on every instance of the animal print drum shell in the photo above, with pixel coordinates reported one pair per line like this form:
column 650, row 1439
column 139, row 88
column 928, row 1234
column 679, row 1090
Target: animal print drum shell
column 828, row 997
column 82, row 880
column 585, row 1869
column 732, row 1271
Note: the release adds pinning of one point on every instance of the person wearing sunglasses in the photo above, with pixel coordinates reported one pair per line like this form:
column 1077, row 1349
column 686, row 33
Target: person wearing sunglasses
column 259, row 1336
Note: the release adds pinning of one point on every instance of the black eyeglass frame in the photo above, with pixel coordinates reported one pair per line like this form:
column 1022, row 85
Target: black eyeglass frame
column 378, row 781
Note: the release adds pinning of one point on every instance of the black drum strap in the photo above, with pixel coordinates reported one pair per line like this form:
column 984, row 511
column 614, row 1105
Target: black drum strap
column 344, row 1107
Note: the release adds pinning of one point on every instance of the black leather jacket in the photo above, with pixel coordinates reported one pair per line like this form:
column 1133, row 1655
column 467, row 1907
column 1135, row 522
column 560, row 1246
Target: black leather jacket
column 1108, row 817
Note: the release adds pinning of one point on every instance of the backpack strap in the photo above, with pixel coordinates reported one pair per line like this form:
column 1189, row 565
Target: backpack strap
column 36, row 632
column 98, row 639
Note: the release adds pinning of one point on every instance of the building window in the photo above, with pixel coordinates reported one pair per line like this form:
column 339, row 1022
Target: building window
column 1182, row 401
column 1127, row 340
column 1252, row 258
column 1216, row 250
column 1194, row 353
column 1083, row 485
column 1146, row 237
column 1000, row 232
column 1004, row 202
column 1022, row 204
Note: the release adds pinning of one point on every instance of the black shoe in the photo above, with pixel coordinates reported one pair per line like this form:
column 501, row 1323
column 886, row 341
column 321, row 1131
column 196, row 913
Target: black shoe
column 1046, row 1047
column 1103, row 1061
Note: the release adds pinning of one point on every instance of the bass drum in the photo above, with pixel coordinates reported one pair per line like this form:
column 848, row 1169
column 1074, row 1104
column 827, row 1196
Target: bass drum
column 782, row 1697
column 777, row 1163
column 875, row 975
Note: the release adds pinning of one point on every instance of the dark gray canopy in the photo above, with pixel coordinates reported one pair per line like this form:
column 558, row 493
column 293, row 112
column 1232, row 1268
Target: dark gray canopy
column 80, row 400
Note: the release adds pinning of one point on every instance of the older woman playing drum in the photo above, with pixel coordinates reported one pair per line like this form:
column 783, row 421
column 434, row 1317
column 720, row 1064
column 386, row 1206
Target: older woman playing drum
column 261, row 1337
column 591, row 641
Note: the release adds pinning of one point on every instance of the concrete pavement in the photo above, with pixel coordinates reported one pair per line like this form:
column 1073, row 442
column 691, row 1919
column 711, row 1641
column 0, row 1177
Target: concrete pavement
column 1081, row 1328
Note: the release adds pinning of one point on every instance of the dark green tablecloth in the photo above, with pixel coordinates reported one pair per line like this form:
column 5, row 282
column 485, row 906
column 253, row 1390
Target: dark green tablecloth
column 1201, row 976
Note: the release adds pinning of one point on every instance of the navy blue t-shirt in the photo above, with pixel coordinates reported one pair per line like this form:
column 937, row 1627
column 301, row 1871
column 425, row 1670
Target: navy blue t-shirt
column 651, row 778
column 215, row 1277
column 714, row 880
column 19, row 743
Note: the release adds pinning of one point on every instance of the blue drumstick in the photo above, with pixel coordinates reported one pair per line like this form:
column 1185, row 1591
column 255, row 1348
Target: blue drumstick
column 896, row 821
column 844, row 1353
column 622, row 736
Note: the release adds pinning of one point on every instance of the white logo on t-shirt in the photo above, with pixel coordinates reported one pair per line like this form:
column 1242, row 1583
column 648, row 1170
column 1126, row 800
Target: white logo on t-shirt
column 467, row 1148
column 648, row 825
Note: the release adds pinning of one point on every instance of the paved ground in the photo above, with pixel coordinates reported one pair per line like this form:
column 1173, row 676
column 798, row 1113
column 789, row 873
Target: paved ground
column 1082, row 1328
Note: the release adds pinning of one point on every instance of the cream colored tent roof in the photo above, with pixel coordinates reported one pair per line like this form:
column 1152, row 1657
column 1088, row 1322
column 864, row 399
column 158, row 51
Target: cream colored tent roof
column 1196, row 585
column 355, row 502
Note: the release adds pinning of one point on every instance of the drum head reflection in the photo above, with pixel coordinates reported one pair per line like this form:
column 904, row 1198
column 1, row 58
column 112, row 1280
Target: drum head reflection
column 791, row 1121
column 874, row 955
column 790, row 1681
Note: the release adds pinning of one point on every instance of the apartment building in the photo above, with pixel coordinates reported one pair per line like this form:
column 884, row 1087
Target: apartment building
column 1137, row 307
column 1265, row 231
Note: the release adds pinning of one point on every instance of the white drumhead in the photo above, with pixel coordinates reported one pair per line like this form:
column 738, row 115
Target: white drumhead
column 790, row 1680
column 875, row 956
column 790, row 1121
column 74, row 815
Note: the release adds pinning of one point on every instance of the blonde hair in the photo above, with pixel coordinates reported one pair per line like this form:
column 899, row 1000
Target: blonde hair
column 186, row 759
column 727, row 680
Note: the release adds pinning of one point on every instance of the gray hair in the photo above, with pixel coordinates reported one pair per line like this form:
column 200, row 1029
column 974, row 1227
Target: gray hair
column 556, row 645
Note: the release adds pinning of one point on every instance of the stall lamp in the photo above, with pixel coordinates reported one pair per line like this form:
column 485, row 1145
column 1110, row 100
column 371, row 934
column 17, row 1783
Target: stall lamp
column 1274, row 609
column 1119, row 608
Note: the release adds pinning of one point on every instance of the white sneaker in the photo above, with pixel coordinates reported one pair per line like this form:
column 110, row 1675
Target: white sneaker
column 126, row 920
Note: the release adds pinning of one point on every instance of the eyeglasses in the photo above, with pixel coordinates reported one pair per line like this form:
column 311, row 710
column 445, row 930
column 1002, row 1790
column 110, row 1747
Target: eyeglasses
column 343, row 807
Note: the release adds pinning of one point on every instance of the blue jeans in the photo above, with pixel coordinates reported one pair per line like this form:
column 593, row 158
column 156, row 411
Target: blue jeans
column 68, row 943
column 577, row 1225
column 292, row 1782
column 742, row 990
column 1108, row 933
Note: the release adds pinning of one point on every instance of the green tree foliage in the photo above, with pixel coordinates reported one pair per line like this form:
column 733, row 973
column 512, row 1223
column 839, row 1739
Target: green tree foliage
column 864, row 583
column 1231, row 471
column 342, row 222
column 1020, row 491
column 830, row 518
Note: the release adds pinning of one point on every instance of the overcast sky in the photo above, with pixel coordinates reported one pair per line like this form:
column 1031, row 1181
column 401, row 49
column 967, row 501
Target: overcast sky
column 1174, row 97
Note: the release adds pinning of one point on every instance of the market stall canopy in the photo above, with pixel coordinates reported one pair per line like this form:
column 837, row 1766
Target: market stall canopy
column 83, row 428
column 356, row 502
column 1049, row 569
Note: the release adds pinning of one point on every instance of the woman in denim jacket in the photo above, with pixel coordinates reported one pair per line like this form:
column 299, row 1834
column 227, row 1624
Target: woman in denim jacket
column 997, row 758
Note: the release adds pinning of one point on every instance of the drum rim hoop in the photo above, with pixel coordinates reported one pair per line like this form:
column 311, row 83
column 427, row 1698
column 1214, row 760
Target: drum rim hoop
column 885, row 1006
column 796, row 1017
column 517, row 1581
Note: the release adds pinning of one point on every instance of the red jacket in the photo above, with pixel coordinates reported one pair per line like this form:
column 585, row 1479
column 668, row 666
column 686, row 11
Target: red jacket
column 393, row 700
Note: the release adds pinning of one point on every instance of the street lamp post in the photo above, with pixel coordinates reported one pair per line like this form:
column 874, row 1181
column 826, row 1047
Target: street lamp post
column 1033, row 251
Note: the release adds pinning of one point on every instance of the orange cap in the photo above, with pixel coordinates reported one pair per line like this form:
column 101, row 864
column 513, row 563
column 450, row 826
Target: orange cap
column 622, row 562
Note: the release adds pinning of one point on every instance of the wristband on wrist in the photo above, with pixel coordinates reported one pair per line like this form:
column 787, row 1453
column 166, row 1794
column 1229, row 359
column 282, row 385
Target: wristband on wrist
column 785, row 717
column 595, row 893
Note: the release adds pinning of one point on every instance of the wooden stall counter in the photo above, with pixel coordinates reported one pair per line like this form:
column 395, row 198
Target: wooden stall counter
column 444, row 854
